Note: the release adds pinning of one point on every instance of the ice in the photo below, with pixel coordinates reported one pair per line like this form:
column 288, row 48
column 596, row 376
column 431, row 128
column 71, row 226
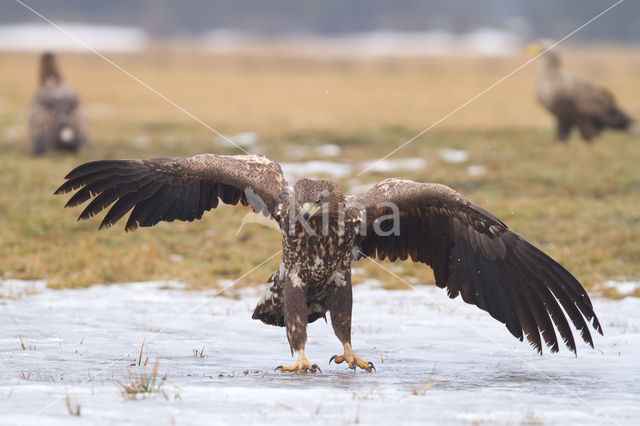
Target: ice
column 43, row 36
column 438, row 361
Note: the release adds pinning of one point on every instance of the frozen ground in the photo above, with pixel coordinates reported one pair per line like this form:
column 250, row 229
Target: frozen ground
column 438, row 361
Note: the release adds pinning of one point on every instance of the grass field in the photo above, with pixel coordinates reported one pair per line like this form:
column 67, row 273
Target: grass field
column 577, row 202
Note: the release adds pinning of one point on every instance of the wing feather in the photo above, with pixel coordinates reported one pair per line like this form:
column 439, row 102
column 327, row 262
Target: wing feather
column 165, row 189
column 475, row 255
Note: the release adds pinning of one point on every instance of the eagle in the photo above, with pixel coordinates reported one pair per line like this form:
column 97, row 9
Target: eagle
column 575, row 102
column 56, row 120
column 471, row 252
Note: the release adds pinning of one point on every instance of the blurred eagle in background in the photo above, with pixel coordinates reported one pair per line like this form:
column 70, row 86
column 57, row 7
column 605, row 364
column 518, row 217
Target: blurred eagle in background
column 471, row 252
column 56, row 120
column 575, row 102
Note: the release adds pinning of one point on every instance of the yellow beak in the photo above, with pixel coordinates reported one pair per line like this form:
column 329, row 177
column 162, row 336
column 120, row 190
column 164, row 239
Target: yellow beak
column 533, row 49
column 309, row 209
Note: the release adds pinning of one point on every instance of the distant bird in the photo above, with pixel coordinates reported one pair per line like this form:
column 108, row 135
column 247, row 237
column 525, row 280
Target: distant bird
column 575, row 102
column 56, row 120
column 471, row 252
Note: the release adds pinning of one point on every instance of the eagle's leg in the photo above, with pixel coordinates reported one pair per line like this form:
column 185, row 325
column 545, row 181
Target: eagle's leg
column 588, row 130
column 341, row 302
column 563, row 129
column 295, row 320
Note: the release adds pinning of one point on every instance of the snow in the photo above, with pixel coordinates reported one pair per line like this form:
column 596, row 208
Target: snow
column 453, row 156
column 625, row 288
column 295, row 170
column 328, row 150
column 244, row 139
column 476, row 170
column 386, row 166
column 438, row 361
column 43, row 36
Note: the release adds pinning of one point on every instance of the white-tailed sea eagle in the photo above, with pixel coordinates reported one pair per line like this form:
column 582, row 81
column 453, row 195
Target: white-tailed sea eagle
column 56, row 120
column 471, row 252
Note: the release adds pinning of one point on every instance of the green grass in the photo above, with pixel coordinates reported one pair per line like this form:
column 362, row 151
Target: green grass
column 579, row 203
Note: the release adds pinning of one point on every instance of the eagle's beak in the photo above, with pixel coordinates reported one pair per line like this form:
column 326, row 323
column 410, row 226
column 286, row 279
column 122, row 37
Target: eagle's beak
column 534, row 49
column 309, row 209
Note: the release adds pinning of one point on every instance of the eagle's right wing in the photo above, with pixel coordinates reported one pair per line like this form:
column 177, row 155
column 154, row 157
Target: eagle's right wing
column 167, row 189
column 475, row 255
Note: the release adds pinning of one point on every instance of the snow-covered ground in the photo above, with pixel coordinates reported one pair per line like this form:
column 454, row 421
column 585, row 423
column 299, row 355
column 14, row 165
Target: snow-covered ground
column 438, row 361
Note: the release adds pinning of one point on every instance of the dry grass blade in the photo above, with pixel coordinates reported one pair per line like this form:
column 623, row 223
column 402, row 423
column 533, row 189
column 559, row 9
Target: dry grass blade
column 143, row 384
column 73, row 409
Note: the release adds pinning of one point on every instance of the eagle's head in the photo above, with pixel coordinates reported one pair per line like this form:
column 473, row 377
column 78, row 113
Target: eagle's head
column 49, row 69
column 550, row 59
column 317, row 198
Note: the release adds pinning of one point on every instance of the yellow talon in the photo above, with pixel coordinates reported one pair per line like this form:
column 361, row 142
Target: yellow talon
column 351, row 359
column 302, row 365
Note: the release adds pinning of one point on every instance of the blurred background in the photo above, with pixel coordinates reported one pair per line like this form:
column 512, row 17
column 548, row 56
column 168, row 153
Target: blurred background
column 325, row 88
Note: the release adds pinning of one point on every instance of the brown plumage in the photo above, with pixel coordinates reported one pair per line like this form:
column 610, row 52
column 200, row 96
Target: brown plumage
column 471, row 252
column 56, row 120
column 577, row 103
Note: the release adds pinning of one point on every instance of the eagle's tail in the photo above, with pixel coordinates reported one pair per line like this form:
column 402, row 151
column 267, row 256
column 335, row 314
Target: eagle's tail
column 634, row 128
column 270, row 308
column 618, row 119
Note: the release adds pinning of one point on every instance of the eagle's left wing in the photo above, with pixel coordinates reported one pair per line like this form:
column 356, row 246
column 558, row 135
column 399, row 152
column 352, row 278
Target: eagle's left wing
column 166, row 189
column 474, row 254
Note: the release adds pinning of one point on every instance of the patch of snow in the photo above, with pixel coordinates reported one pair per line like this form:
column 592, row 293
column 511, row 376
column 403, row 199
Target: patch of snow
column 386, row 166
column 293, row 171
column 42, row 36
column 141, row 142
column 453, row 156
column 476, row 170
column 328, row 150
column 14, row 289
column 625, row 288
column 243, row 139
column 358, row 188
column 438, row 361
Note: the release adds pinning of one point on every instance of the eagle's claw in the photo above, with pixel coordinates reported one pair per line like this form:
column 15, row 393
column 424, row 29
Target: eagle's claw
column 302, row 365
column 352, row 361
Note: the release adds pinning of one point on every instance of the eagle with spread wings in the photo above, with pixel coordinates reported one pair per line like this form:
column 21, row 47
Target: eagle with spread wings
column 472, row 253
column 575, row 102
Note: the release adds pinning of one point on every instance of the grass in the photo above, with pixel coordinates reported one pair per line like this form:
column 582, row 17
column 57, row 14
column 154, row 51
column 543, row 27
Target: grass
column 142, row 384
column 579, row 203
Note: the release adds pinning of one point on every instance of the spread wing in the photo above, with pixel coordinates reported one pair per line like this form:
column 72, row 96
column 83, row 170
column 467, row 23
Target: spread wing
column 169, row 189
column 474, row 254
